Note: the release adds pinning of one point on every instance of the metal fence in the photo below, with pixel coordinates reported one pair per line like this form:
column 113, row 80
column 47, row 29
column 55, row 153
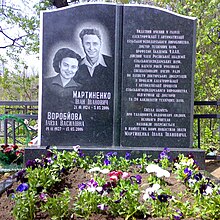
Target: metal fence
column 209, row 116
column 9, row 128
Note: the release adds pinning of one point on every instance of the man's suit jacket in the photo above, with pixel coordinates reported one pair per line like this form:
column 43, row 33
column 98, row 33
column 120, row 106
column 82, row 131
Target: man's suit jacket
column 102, row 79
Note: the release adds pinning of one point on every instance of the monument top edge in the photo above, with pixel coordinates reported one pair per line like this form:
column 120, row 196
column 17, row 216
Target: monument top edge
column 118, row 4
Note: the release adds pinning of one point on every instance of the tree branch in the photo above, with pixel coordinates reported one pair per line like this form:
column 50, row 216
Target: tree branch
column 14, row 40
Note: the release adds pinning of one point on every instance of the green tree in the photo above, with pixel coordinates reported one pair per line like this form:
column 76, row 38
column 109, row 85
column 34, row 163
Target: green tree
column 207, row 75
column 19, row 36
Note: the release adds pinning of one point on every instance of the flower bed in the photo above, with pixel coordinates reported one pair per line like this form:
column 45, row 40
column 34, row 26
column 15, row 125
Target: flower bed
column 69, row 185
column 11, row 156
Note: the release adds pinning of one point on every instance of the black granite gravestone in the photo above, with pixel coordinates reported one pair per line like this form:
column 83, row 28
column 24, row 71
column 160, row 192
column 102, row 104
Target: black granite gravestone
column 158, row 69
column 139, row 96
column 140, row 93
column 77, row 102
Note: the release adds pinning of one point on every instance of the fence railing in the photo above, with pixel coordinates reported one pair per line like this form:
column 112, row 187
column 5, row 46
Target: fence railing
column 9, row 127
column 209, row 116
column 29, row 110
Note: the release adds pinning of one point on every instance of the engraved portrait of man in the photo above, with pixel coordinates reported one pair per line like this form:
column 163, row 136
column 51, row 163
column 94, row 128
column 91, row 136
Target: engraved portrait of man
column 96, row 69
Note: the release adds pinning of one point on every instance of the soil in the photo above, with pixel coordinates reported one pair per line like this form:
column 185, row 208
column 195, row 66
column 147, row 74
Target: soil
column 213, row 167
column 77, row 176
column 4, row 176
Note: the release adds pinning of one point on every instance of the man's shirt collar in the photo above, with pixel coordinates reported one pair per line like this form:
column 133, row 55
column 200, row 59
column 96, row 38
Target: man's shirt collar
column 91, row 68
column 100, row 61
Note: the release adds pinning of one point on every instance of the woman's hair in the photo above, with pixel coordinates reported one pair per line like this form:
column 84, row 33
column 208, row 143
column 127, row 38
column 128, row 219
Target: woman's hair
column 63, row 53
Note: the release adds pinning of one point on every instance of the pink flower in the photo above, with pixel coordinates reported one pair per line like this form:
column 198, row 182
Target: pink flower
column 125, row 175
column 43, row 197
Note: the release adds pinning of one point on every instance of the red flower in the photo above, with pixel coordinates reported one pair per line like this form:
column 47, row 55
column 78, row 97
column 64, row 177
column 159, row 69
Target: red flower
column 14, row 146
column 19, row 152
column 115, row 175
column 8, row 149
column 114, row 178
column 5, row 146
